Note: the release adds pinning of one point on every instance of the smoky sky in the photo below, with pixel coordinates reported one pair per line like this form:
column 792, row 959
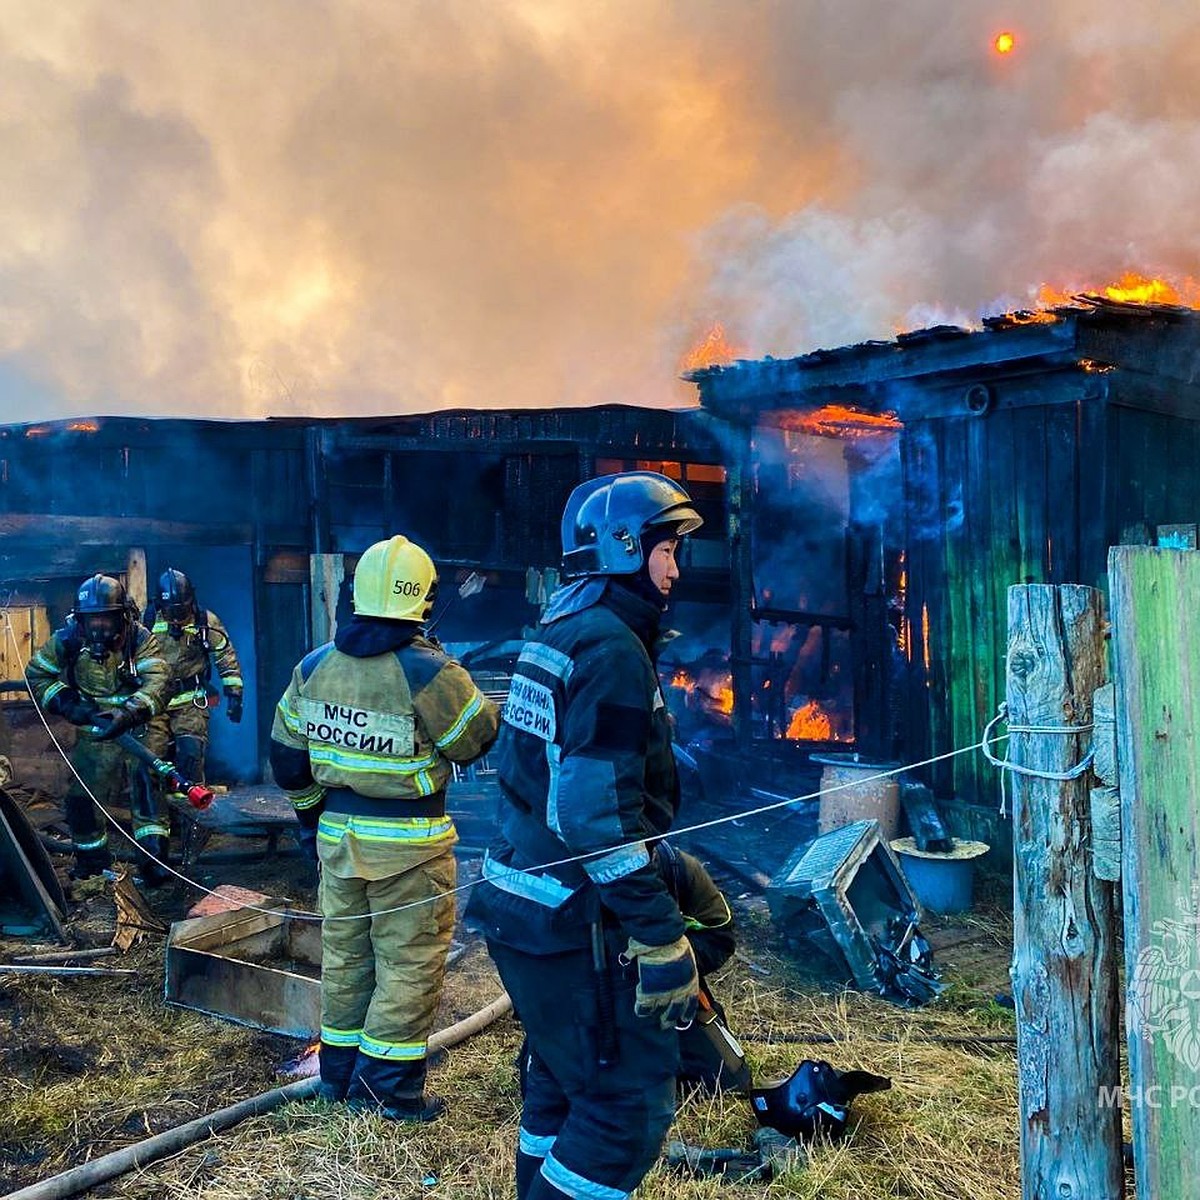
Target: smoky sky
column 297, row 206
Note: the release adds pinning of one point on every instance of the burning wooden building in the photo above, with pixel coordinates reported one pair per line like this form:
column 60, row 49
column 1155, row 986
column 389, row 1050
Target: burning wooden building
column 268, row 519
column 883, row 497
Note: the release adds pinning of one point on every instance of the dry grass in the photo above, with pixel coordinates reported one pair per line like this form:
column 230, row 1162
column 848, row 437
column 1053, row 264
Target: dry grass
column 101, row 1063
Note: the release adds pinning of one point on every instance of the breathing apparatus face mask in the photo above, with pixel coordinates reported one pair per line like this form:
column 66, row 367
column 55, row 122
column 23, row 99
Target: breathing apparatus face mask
column 178, row 613
column 103, row 632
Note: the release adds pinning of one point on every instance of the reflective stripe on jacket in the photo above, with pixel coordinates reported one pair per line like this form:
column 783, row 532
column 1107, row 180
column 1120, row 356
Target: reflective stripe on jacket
column 189, row 660
column 386, row 726
column 585, row 765
column 144, row 678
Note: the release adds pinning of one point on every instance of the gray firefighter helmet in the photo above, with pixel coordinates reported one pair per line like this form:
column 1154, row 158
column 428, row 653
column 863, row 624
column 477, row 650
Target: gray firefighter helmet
column 605, row 518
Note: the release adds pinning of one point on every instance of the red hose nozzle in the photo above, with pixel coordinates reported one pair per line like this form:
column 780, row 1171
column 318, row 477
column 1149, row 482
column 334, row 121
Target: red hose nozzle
column 199, row 796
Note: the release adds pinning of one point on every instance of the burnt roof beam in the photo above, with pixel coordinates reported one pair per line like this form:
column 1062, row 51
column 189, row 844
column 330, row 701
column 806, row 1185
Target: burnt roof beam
column 743, row 390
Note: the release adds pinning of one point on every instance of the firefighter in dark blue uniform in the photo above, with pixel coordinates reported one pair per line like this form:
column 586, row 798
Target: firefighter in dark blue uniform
column 593, row 951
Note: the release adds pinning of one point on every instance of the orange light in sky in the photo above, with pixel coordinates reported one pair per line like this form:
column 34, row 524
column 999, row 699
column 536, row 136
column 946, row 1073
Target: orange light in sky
column 1005, row 43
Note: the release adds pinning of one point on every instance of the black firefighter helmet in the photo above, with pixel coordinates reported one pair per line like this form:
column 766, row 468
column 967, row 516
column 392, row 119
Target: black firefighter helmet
column 814, row 1100
column 102, row 614
column 176, row 597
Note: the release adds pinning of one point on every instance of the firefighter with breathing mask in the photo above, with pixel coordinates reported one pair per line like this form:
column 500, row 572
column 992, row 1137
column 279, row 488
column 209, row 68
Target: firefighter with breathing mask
column 363, row 740
column 593, row 951
column 192, row 639
column 104, row 672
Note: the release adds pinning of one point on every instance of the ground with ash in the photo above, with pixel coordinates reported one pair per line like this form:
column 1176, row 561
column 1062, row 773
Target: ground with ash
column 94, row 1063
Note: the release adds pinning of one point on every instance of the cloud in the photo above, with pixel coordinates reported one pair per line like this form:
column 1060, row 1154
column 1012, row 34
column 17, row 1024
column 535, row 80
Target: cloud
column 351, row 207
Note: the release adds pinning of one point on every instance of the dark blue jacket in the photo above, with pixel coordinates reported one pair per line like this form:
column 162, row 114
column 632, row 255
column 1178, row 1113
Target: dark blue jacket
column 585, row 768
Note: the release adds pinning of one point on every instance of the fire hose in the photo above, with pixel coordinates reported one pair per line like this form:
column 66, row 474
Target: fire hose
column 198, row 795
column 171, row 1141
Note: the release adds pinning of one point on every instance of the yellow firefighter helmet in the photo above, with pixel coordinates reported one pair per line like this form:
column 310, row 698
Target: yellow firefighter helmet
column 395, row 579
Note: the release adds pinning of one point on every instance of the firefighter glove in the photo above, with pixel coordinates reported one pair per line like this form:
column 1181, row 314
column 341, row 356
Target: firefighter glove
column 121, row 720
column 667, row 981
column 233, row 704
column 70, row 704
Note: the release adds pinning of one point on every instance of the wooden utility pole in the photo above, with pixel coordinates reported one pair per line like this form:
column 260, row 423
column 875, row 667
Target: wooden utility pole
column 1156, row 624
column 1064, row 956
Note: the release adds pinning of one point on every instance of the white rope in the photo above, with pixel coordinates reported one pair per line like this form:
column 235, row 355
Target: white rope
column 302, row 915
column 1003, row 764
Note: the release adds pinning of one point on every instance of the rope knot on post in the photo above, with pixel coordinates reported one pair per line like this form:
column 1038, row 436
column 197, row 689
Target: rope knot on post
column 1003, row 764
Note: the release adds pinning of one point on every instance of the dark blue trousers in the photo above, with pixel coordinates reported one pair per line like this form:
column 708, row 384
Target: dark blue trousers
column 597, row 1129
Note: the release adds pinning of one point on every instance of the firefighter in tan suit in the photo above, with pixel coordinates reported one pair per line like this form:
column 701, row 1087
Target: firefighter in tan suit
column 104, row 672
column 192, row 639
column 363, row 740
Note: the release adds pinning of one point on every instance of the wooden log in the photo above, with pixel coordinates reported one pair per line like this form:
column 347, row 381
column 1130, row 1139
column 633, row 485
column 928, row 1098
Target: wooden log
column 1064, row 956
column 1156, row 641
column 65, row 956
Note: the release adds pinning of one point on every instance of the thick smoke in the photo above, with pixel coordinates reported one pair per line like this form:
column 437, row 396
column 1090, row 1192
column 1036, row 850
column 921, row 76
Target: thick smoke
column 350, row 207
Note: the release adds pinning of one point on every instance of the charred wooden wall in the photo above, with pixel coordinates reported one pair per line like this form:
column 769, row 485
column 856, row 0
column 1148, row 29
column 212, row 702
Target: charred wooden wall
column 1033, row 494
column 1026, row 450
column 481, row 489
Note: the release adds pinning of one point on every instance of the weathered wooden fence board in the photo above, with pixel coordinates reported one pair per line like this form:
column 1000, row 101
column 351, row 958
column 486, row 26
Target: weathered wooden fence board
column 1156, row 622
column 1064, row 956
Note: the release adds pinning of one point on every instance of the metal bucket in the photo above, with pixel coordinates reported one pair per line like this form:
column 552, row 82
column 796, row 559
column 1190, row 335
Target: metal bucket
column 859, row 797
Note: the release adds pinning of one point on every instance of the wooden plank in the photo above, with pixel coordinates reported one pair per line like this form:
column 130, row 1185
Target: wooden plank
column 1061, row 470
column 1064, row 938
column 959, row 489
column 914, row 714
column 986, row 636
column 135, row 577
column 1030, row 492
column 740, row 520
column 1004, row 554
column 1156, row 642
column 52, row 530
column 1096, row 485
column 935, row 618
column 328, row 572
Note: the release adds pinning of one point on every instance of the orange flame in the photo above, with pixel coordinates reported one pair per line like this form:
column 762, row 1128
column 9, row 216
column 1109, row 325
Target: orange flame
column 712, row 350
column 840, row 420
column 1130, row 288
column 711, row 691
column 810, row 723
column 720, row 695
column 76, row 426
column 681, row 679
column 926, row 655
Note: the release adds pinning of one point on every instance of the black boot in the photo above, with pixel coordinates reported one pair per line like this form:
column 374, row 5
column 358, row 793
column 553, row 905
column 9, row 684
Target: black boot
column 416, row 1109
column 392, row 1090
column 91, row 862
column 528, row 1166
column 154, row 847
column 543, row 1189
column 337, row 1065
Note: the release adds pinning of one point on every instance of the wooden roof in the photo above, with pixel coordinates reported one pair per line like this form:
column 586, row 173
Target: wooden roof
column 914, row 375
